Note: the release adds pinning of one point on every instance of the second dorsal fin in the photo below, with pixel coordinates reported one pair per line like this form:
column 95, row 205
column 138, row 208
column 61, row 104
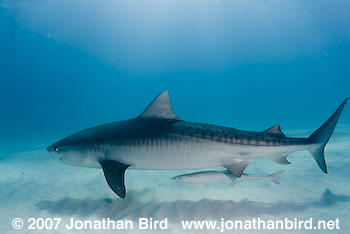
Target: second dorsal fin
column 276, row 130
column 159, row 108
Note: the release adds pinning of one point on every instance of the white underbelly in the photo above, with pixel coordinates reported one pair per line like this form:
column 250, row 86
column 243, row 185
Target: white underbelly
column 189, row 155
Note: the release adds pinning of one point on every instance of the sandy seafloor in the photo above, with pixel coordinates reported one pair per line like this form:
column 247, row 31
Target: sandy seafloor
column 36, row 184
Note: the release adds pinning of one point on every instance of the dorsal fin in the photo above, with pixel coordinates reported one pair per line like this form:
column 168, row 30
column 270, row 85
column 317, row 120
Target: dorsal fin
column 159, row 108
column 276, row 129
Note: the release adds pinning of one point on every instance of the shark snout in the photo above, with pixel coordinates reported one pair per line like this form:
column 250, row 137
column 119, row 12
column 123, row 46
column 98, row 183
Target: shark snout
column 52, row 149
column 48, row 149
column 176, row 178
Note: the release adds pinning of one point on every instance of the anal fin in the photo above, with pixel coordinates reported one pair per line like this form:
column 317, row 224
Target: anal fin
column 114, row 173
column 238, row 168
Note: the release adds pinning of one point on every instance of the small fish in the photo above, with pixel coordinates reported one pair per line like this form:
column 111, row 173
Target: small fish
column 208, row 177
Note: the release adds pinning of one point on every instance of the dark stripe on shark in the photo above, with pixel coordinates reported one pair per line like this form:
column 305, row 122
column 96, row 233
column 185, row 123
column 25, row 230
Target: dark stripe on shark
column 187, row 132
column 232, row 136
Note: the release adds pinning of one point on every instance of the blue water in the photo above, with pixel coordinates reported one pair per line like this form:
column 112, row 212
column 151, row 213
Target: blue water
column 68, row 65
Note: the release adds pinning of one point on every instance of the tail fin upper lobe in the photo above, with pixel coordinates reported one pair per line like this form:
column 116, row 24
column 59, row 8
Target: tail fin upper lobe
column 322, row 136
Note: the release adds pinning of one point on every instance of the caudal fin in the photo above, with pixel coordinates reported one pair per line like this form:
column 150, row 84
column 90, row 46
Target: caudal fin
column 322, row 135
column 275, row 178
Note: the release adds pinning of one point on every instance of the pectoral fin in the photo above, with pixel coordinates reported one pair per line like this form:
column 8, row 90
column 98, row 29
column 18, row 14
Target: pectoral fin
column 114, row 173
column 238, row 168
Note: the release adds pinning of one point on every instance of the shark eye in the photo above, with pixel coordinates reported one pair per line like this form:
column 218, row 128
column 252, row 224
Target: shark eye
column 56, row 149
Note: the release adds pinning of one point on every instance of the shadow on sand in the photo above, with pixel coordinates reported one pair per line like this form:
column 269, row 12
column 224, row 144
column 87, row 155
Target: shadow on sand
column 132, row 208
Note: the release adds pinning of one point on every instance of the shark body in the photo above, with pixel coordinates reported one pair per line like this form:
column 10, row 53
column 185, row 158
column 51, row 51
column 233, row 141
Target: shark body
column 158, row 139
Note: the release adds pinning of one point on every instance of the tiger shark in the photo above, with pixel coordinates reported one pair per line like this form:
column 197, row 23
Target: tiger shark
column 158, row 139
